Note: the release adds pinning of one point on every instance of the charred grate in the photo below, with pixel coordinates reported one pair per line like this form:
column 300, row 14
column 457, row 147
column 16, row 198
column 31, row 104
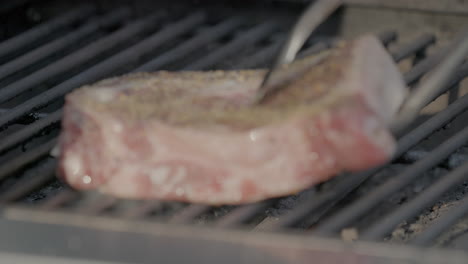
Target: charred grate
column 38, row 68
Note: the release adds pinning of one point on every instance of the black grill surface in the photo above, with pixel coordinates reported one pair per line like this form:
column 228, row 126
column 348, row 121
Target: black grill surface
column 419, row 198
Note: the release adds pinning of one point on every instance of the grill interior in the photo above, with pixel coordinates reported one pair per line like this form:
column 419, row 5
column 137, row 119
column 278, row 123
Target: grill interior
column 418, row 199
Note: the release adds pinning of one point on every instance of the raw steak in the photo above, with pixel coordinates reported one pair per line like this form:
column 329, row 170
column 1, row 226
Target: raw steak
column 193, row 136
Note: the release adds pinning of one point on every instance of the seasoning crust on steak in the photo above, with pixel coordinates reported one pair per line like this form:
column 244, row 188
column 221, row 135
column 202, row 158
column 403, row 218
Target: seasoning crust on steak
column 196, row 137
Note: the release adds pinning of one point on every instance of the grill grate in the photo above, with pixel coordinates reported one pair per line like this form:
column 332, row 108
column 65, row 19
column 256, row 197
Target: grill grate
column 123, row 42
column 42, row 32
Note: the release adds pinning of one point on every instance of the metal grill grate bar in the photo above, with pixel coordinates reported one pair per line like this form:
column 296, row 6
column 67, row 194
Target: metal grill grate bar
column 388, row 37
column 59, row 199
column 105, row 67
column 379, row 230
column 26, row 158
column 363, row 205
column 432, row 86
column 14, row 139
column 443, row 223
column 52, row 47
column 11, row 45
column 247, row 39
column 353, row 181
column 424, row 66
column 259, row 57
column 35, row 114
column 410, row 49
column 187, row 214
column 27, row 184
column 191, row 45
column 142, row 210
column 81, row 56
column 243, row 213
column 95, row 204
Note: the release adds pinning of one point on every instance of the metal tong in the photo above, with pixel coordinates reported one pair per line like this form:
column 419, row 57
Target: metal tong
column 428, row 90
column 314, row 15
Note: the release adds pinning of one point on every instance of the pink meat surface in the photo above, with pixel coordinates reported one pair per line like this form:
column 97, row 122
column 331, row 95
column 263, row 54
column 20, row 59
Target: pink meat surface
column 192, row 136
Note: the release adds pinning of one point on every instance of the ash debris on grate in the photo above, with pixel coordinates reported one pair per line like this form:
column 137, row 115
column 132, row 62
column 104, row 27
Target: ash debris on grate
column 446, row 132
column 397, row 199
column 37, row 176
column 412, row 227
column 44, row 193
column 408, row 230
column 454, row 160
column 213, row 214
column 458, row 158
column 168, row 209
column 380, row 178
column 28, row 172
column 456, row 237
column 282, row 207
column 449, row 200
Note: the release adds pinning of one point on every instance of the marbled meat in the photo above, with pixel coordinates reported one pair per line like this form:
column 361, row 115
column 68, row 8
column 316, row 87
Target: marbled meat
column 195, row 137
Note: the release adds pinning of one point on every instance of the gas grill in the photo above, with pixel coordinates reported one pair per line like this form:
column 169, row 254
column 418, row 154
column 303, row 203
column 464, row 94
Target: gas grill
column 412, row 210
